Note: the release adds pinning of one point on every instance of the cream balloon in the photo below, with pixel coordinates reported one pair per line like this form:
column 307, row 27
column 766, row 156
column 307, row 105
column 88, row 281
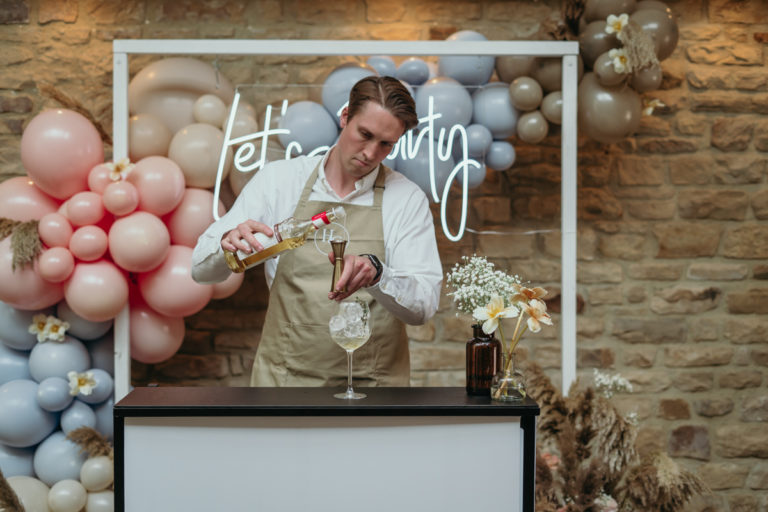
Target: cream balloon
column 607, row 114
column 147, row 136
column 196, row 149
column 32, row 493
column 647, row 79
column 103, row 501
column 238, row 180
column 532, row 127
column 243, row 124
column 209, row 109
column 97, row 473
column 67, row 496
column 552, row 107
column 594, row 41
column 168, row 89
column 595, row 10
column 605, row 71
column 549, row 72
column 525, row 93
column 509, row 67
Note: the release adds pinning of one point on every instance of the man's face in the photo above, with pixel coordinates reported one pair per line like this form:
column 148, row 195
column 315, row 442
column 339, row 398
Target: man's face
column 367, row 138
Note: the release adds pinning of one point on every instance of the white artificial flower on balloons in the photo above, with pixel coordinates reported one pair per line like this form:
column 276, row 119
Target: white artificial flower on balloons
column 48, row 328
column 619, row 58
column 81, row 383
column 120, row 169
column 615, row 24
column 650, row 105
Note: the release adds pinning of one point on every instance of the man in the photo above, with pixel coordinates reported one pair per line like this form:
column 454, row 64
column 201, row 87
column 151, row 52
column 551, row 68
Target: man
column 391, row 260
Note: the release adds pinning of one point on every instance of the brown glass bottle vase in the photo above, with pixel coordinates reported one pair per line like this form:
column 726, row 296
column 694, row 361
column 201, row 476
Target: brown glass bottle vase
column 483, row 361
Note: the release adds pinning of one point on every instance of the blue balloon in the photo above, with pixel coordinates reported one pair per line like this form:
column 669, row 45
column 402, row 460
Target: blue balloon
column 16, row 461
column 53, row 394
column 413, row 70
column 501, row 155
column 79, row 327
column 22, row 422
column 14, row 364
column 479, row 139
column 468, row 70
column 493, row 109
column 450, row 99
column 339, row 83
column 58, row 458
column 77, row 415
column 475, row 175
column 102, row 390
column 416, row 169
column 383, row 64
column 310, row 125
column 14, row 326
column 105, row 418
column 102, row 353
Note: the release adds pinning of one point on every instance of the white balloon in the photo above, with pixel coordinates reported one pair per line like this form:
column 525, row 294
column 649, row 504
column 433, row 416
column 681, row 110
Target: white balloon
column 209, row 109
column 97, row 473
column 67, row 496
column 32, row 493
column 103, row 501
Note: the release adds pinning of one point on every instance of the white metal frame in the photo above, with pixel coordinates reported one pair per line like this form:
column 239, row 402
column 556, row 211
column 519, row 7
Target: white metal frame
column 567, row 50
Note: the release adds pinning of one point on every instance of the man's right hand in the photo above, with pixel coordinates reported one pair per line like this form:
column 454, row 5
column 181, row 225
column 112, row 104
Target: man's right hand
column 241, row 238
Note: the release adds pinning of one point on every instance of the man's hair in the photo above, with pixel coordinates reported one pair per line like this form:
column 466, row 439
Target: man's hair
column 388, row 92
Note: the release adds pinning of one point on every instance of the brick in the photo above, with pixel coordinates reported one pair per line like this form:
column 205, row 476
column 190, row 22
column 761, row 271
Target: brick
column 746, row 330
column 605, row 295
column 456, row 328
column 674, row 409
column 651, row 209
column 685, row 299
column 712, row 407
column 547, row 356
column 640, row 356
column 16, row 104
column 656, row 271
column 635, row 170
column 725, row 54
column 593, row 273
column 669, row 145
column 636, row 295
column 492, row 210
column 732, row 133
column 228, row 339
column 649, row 330
column 761, row 135
column 693, row 381
column 182, row 366
column 437, row 357
column 648, row 381
column 742, row 503
column 705, row 328
column 723, row 475
column 699, row 32
column 758, row 476
column 735, row 11
column 697, row 356
column 377, row 12
column 713, row 204
column 687, row 239
column 707, row 77
column 741, row 440
column 720, row 101
column 757, row 356
column 57, row 10
column 739, row 169
column 506, row 246
column 595, row 203
column 317, row 13
column 123, row 13
column 690, row 441
column 586, row 248
column 748, row 302
column 622, row 246
column 587, row 327
column 14, row 11
column 755, row 408
column 692, row 170
column 717, row 271
column 760, row 271
column 741, row 379
column 760, row 204
column 650, row 440
column 595, row 357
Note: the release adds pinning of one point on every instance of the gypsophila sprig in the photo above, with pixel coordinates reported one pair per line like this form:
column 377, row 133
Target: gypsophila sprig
column 476, row 280
column 608, row 384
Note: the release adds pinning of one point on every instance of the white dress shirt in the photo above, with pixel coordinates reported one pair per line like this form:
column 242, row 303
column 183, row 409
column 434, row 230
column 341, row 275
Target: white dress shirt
column 410, row 282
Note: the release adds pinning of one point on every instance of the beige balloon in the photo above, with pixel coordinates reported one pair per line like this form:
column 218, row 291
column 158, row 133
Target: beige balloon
column 549, row 72
column 600, row 9
column 607, row 114
column 97, row 473
column 605, row 72
column 32, row 493
column 196, row 149
column 67, row 496
column 525, row 93
column 594, row 41
column 244, row 123
column 647, row 79
column 209, row 109
column 509, row 67
column 552, row 107
column 103, row 501
column 532, row 127
column 168, row 88
column 147, row 136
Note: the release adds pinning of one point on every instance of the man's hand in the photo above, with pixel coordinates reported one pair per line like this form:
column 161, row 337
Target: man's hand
column 241, row 238
column 358, row 273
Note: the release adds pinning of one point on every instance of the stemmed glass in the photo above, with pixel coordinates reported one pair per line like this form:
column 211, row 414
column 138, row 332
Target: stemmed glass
column 350, row 327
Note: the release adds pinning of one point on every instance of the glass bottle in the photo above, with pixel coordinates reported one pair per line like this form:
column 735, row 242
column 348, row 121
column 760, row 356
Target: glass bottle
column 483, row 361
column 288, row 234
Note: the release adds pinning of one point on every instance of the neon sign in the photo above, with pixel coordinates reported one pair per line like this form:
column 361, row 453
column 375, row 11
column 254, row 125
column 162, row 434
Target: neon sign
column 407, row 147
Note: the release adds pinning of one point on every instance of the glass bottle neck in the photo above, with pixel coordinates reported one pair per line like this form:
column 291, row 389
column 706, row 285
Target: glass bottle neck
column 477, row 330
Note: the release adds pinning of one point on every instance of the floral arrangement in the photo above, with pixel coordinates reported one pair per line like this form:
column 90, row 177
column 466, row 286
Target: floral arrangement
column 586, row 456
column 475, row 281
column 48, row 328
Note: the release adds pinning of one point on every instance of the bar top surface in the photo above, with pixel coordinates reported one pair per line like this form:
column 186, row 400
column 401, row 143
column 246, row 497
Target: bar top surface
column 319, row 401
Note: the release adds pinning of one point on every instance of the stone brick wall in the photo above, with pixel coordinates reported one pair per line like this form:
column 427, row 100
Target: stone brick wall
column 673, row 223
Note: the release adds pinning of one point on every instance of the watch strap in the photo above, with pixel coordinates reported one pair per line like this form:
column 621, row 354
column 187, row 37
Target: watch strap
column 376, row 264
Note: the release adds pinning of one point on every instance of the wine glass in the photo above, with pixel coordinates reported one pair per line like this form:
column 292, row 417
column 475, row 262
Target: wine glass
column 350, row 327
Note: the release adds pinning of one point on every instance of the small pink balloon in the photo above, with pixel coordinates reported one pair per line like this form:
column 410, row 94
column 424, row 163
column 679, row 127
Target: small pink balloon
column 99, row 178
column 139, row 242
column 85, row 208
column 170, row 290
column 193, row 215
column 24, row 288
column 21, row 200
column 160, row 183
column 58, row 149
column 54, row 230
column 88, row 243
column 120, row 198
column 229, row 286
column 56, row 264
column 154, row 337
column 96, row 291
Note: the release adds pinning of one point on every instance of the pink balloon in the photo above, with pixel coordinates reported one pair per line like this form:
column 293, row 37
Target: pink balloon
column 23, row 288
column 58, row 149
column 170, row 290
column 56, row 264
column 88, row 243
column 120, row 197
column 54, row 230
column 96, row 291
column 99, row 178
column 154, row 337
column 229, row 286
column 21, row 200
column 139, row 242
column 193, row 215
column 85, row 208
column 160, row 183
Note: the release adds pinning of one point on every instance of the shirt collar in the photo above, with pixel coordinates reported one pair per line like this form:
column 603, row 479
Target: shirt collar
column 362, row 185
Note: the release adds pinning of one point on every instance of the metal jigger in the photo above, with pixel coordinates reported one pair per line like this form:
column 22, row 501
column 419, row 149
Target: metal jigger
column 338, row 262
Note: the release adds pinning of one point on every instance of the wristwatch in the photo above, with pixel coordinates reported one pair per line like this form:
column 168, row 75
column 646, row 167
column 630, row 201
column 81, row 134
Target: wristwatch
column 376, row 264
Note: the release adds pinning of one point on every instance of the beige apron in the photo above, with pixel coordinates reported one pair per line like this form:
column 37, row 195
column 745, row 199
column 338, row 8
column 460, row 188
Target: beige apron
column 296, row 348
